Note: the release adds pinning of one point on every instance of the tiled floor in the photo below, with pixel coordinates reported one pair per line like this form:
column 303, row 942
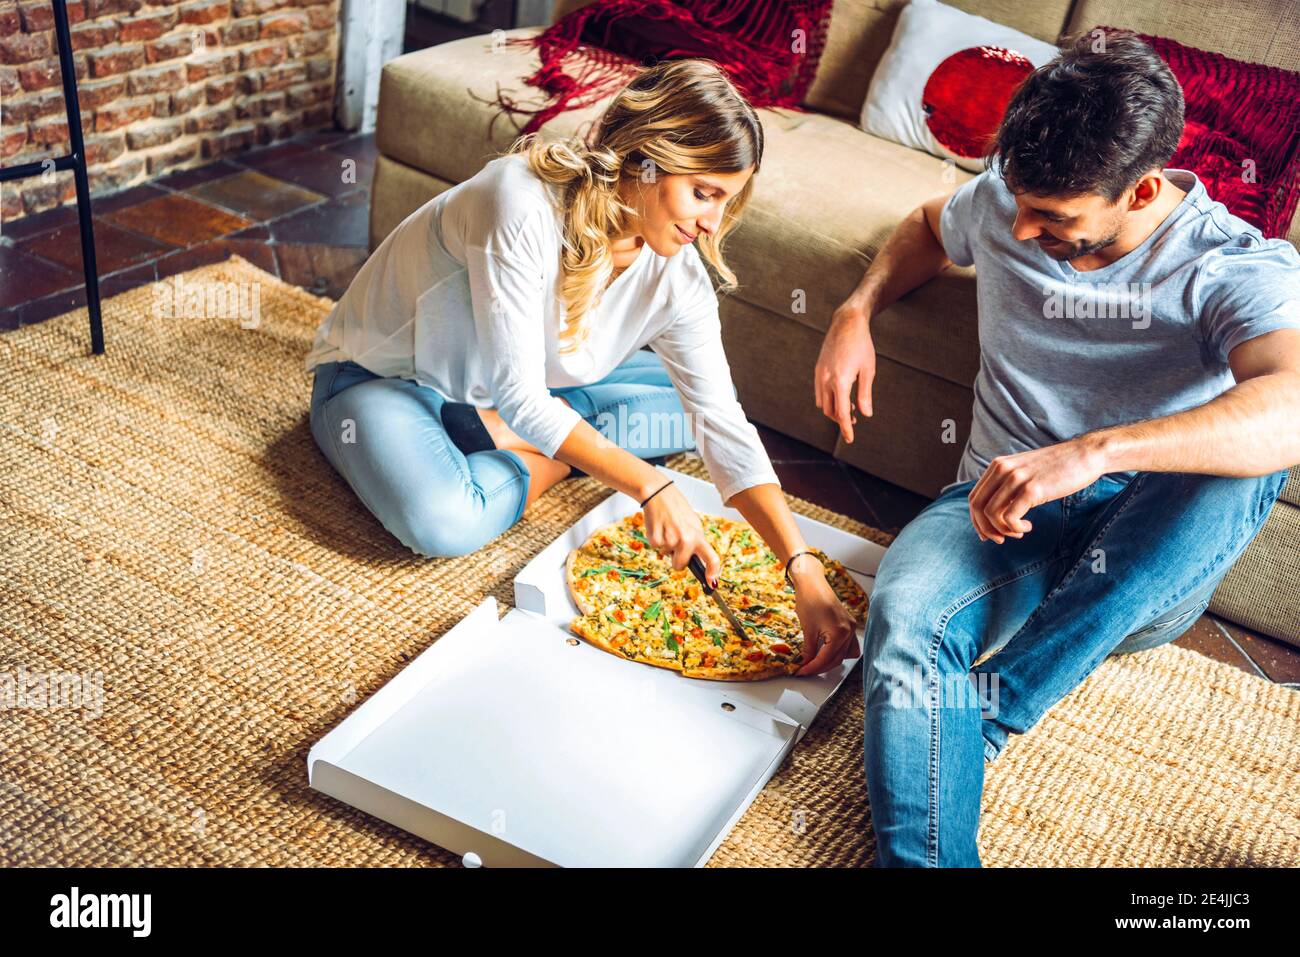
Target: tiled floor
column 298, row 209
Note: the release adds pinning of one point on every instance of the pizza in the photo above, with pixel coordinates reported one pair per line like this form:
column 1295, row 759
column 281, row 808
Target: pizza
column 634, row 604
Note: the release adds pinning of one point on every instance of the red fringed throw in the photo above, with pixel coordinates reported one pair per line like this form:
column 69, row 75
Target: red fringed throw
column 1242, row 132
column 769, row 49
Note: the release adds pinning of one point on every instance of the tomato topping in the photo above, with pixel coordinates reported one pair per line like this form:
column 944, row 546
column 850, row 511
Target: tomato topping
column 755, row 656
column 604, row 540
column 637, row 546
column 638, row 519
column 620, row 614
column 612, row 575
column 680, row 612
column 781, row 649
column 697, row 633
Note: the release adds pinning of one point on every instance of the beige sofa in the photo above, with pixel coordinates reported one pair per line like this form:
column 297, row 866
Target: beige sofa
column 826, row 199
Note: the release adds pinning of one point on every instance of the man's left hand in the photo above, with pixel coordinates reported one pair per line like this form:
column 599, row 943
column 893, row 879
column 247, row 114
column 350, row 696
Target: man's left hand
column 1013, row 484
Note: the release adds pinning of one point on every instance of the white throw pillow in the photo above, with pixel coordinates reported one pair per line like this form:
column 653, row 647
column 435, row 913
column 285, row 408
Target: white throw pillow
column 970, row 65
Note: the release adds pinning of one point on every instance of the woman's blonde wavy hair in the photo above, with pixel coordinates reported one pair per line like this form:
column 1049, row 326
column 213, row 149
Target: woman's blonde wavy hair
column 677, row 117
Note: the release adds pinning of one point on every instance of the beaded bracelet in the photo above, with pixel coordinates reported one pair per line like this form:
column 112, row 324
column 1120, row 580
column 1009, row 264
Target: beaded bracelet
column 656, row 492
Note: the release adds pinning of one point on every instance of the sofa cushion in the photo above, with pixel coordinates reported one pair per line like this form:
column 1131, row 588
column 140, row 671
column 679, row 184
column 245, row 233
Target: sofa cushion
column 826, row 199
column 941, row 89
column 435, row 112
column 860, row 32
column 397, row 191
column 1263, row 31
column 1260, row 590
column 1291, row 491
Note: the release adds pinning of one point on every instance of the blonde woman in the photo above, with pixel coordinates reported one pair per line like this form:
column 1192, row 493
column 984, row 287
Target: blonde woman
column 492, row 345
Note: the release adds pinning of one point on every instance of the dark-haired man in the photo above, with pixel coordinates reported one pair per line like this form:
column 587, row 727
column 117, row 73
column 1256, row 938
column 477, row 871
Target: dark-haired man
column 1135, row 416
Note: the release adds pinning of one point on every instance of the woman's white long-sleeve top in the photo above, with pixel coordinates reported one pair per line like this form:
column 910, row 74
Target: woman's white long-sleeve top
column 464, row 297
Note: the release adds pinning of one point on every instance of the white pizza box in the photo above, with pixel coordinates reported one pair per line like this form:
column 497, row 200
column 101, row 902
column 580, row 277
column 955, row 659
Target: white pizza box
column 542, row 587
column 513, row 743
column 509, row 744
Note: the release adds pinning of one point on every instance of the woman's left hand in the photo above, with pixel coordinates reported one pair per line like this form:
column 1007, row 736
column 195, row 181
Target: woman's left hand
column 829, row 631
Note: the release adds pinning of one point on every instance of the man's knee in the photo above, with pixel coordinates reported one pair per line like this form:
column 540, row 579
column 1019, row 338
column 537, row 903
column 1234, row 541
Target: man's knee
column 1168, row 627
column 1245, row 500
column 905, row 638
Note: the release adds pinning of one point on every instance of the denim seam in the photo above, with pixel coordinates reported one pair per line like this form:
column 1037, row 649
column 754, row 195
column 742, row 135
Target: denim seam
column 1069, row 575
column 1196, row 610
column 342, row 467
column 932, row 843
column 334, row 375
column 522, row 472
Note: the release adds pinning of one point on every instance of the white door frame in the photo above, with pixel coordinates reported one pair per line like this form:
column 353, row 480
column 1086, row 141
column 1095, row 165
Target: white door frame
column 371, row 34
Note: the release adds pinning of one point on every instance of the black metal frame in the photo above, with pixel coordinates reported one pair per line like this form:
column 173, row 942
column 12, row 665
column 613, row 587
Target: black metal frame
column 75, row 161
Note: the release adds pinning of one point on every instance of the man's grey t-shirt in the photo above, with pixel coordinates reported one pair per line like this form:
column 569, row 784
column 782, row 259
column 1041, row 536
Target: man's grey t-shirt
column 1064, row 352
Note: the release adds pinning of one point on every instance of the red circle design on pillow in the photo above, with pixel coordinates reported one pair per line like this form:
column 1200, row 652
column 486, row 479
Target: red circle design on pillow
column 968, row 92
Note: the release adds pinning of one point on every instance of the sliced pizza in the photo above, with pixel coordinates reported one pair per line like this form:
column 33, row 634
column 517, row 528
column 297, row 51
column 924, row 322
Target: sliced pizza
column 636, row 605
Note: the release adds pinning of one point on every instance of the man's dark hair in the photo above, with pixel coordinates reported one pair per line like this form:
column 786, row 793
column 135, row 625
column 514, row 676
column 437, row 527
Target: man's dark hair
column 1093, row 120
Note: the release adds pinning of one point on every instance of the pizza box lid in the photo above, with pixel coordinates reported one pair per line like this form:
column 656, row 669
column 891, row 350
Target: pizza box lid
column 513, row 743
column 541, row 587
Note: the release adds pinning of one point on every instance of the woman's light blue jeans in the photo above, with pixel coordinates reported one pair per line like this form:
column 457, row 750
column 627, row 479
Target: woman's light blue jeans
column 1119, row 566
column 385, row 437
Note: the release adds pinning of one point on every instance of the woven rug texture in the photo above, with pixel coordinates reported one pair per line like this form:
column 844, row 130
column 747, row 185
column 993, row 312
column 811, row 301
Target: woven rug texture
column 170, row 533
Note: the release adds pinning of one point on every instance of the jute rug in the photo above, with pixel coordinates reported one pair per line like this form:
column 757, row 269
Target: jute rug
column 168, row 523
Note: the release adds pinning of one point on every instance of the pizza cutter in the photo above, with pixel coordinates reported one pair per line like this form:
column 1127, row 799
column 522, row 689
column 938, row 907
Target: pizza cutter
column 697, row 569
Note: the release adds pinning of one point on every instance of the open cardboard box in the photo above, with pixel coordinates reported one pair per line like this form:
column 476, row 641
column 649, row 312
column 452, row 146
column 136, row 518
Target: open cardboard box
column 511, row 742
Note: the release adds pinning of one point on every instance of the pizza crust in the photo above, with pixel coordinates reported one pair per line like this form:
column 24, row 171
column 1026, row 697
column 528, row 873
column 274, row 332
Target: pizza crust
column 571, row 576
column 757, row 674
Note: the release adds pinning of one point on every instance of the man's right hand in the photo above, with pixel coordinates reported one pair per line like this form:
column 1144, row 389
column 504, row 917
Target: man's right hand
column 848, row 355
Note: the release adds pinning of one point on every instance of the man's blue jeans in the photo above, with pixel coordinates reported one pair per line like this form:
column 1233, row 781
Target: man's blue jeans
column 1116, row 567
column 385, row 436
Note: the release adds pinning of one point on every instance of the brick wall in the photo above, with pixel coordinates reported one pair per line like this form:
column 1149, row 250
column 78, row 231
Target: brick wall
column 163, row 85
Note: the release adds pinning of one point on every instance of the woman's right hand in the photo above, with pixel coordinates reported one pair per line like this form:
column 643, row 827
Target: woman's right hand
column 674, row 530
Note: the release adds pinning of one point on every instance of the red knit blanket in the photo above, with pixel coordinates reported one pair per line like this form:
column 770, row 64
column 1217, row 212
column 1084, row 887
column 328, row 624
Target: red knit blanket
column 1241, row 134
column 769, row 49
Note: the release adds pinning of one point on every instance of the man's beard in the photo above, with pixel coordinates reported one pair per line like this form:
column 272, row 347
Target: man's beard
column 1080, row 247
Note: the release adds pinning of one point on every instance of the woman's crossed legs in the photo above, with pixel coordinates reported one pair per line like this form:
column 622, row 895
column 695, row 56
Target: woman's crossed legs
column 385, row 437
